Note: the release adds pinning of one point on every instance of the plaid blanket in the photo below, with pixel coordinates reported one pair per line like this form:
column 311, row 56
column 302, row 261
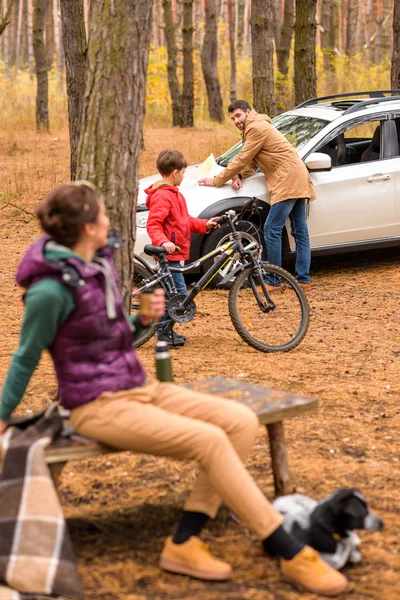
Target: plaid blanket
column 36, row 556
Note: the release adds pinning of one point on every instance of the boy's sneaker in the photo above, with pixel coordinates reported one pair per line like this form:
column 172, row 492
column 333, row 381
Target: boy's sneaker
column 308, row 571
column 173, row 339
column 193, row 558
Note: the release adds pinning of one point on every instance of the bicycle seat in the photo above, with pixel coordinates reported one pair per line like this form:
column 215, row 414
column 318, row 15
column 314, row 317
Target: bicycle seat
column 154, row 250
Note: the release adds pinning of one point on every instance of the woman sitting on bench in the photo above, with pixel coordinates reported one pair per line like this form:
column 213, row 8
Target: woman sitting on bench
column 74, row 309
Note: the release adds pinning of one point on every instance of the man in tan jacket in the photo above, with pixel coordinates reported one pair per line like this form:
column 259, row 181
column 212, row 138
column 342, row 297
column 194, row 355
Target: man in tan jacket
column 289, row 185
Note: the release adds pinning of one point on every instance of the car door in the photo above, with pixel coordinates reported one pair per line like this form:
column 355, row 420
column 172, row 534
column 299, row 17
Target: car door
column 356, row 199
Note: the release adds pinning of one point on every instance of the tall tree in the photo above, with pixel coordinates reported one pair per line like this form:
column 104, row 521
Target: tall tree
column 29, row 26
column 263, row 56
column 326, row 37
column 172, row 64
column 305, row 74
column 41, row 65
column 112, row 122
column 209, row 55
column 75, row 50
column 350, row 29
column 285, row 39
column 187, row 100
column 7, row 15
column 395, row 71
column 232, row 49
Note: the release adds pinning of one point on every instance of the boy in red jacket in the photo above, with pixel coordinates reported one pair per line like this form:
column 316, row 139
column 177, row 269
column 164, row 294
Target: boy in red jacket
column 170, row 225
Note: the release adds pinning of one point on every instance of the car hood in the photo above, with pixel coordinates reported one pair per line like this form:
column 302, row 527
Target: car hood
column 199, row 198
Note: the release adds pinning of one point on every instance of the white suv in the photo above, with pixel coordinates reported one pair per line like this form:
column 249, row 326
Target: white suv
column 350, row 146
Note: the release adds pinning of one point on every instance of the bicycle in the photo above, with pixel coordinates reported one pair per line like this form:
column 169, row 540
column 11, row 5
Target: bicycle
column 268, row 319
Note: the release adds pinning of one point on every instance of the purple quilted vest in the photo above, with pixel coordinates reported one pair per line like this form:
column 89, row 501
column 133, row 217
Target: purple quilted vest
column 92, row 353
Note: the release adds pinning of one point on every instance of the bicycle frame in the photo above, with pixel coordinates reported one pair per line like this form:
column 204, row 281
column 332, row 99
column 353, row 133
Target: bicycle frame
column 163, row 276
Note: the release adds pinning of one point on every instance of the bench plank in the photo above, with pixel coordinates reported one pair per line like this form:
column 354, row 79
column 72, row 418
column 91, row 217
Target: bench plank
column 269, row 404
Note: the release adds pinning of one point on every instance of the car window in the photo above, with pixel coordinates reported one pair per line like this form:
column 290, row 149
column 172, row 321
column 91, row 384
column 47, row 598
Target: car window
column 357, row 144
column 298, row 130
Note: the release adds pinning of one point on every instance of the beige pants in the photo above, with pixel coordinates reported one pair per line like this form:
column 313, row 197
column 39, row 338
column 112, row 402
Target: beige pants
column 167, row 420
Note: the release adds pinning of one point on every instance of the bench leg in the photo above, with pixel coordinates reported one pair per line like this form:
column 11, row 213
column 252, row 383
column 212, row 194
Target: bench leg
column 280, row 467
column 55, row 472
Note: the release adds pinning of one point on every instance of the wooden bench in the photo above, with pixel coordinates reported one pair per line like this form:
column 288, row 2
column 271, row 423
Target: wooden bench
column 271, row 406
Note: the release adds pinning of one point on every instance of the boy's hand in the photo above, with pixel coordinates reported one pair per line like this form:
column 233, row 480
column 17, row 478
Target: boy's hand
column 3, row 426
column 213, row 223
column 157, row 307
column 170, row 247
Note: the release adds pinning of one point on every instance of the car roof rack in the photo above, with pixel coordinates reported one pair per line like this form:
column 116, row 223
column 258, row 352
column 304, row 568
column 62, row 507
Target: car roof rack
column 374, row 95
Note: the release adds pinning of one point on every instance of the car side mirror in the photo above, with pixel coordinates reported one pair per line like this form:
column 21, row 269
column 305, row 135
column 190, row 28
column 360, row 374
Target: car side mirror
column 318, row 161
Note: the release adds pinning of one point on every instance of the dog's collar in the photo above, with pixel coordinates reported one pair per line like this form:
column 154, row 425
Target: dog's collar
column 337, row 537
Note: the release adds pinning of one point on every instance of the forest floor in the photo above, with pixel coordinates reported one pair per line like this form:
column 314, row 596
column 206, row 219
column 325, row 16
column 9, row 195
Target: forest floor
column 120, row 508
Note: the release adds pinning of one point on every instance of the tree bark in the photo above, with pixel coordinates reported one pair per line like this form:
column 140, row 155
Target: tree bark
column 39, row 51
column 209, row 54
column 187, row 101
column 305, row 75
column 7, row 15
column 350, row 29
column 172, row 65
column 395, row 70
column 326, row 22
column 276, row 21
column 19, row 31
column 112, row 121
column 378, row 38
column 283, row 50
column 29, row 23
column 263, row 57
column 232, row 50
column 75, row 50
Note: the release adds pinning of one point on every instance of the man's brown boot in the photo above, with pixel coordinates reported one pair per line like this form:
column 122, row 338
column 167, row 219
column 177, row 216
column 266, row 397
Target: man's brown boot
column 305, row 286
column 309, row 572
column 193, row 558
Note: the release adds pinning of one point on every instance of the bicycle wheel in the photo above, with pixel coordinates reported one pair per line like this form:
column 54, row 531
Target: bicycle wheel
column 139, row 274
column 282, row 320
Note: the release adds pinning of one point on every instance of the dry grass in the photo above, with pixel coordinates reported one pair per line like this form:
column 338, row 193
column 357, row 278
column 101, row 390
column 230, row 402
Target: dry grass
column 120, row 508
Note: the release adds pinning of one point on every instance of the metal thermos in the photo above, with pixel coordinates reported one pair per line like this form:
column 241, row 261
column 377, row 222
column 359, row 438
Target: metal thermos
column 163, row 362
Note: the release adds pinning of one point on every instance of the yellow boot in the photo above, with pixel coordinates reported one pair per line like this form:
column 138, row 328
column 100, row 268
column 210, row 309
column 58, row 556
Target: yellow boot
column 309, row 572
column 193, row 558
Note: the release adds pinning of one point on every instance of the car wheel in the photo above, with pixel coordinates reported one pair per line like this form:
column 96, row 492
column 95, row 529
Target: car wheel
column 220, row 236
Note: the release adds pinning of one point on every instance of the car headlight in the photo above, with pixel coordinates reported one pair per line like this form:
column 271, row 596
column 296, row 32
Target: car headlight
column 141, row 218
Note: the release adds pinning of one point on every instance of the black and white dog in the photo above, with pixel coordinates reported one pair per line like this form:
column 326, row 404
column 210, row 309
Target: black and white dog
column 328, row 525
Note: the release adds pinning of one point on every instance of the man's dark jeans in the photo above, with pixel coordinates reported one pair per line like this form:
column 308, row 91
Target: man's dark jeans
column 295, row 209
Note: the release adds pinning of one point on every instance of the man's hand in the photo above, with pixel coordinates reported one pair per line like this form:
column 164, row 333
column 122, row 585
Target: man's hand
column 207, row 181
column 170, row 247
column 213, row 223
column 236, row 183
column 3, row 426
column 157, row 308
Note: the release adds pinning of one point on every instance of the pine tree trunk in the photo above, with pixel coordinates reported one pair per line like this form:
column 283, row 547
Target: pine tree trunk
column 113, row 114
column 283, row 50
column 395, row 71
column 75, row 50
column 232, row 49
column 187, row 101
column 172, row 65
column 276, row 21
column 305, row 75
column 350, row 29
column 209, row 54
column 378, row 38
column 19, row 31
column 326, row 22
column 39, row 51
column 263, row 57
column 29, row 23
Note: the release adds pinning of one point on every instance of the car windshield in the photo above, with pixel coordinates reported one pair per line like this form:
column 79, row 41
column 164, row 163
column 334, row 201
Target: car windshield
column 297, row 129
